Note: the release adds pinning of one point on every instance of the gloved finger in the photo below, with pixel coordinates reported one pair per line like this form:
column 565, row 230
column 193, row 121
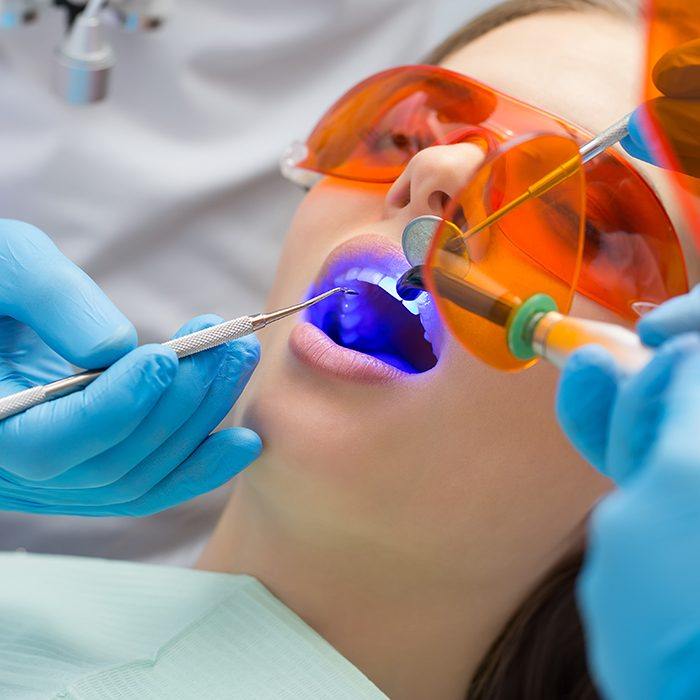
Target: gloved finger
column 677, row 73
column 638, row 151
column 679, row 121
column 51, row 438
column 216, row 461
column 221, row 457
column 585, row 396
column 25, row 359
column 42, row 288
column 640, row 406
column 233, row 374
column 637, row 144
column 181, row 400
column 639, row 538
column 677, row 437
column 676, row 316
column 603, row 592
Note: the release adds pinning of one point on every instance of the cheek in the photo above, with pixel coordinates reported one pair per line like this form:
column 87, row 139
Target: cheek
column 287, row 408
column 462, row 444
column 466, row 444
column 329, row 214
column 493, row 459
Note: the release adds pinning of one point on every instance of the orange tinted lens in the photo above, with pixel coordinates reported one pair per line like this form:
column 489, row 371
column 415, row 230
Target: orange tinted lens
column 534, row 249
column 673, row 86
column 631, row 252
column 372, row 132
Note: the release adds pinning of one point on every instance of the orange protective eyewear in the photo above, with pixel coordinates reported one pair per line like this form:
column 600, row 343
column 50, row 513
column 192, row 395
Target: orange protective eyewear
column 672, row 87
column 631, row 255
column 482, row 272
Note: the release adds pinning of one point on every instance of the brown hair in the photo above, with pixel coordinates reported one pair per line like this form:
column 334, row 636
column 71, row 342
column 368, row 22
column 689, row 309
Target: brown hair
column 515, row 9
column 541, row 653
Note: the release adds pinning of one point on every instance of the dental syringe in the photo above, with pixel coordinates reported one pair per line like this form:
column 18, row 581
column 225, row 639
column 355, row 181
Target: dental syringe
column 184, row 347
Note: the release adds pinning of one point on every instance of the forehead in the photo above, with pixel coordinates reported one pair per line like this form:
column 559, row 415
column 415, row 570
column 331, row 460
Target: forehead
column 583, row 66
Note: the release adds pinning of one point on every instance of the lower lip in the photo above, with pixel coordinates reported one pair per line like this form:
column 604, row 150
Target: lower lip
column 313, row 348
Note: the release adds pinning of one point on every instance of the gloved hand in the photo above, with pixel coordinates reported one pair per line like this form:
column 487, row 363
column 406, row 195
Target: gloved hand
column 137, row 440
column 639, row 590
column 601, row 422
column 677, row 76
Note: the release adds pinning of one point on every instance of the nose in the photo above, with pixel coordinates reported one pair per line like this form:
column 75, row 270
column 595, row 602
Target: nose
column 432, row 178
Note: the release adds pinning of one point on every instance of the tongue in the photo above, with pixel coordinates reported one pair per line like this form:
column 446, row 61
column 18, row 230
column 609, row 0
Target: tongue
column 377, row 324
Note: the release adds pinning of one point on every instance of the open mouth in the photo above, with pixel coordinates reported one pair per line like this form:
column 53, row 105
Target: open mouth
column 375, row 322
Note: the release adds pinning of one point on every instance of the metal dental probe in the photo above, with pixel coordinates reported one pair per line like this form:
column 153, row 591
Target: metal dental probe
column 184, row 347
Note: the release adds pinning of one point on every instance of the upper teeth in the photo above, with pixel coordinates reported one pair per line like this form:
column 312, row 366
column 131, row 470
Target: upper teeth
column 388, row 284
column 350, row 316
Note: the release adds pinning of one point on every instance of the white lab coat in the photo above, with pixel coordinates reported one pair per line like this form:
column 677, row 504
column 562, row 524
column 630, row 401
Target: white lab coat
column 168, row 193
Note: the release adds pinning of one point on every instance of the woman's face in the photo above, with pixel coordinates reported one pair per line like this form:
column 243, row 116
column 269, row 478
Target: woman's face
column 460, row 457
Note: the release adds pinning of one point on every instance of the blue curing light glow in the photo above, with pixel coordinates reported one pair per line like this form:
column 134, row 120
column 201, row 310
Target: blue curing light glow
column 375, row 323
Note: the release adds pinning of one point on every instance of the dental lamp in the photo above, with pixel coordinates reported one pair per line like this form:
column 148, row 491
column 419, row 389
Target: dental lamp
column 84, row 59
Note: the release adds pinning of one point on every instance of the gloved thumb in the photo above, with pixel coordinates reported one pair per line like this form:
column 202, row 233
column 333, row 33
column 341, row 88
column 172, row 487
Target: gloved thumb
column 677, row 72
column 676, row 316
column 585, row 397
column 640, row 411
column 40, row 287
column 677, row 113
column 679, row 120
column 636, row 143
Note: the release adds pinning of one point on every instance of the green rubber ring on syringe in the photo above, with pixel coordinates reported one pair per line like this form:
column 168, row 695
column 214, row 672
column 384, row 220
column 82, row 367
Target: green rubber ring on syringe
column 519, row 331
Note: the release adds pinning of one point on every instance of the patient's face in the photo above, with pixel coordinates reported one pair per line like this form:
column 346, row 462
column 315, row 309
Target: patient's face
column 419, row 444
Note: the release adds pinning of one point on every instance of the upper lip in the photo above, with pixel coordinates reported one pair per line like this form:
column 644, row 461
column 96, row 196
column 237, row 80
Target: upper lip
column 381, row 256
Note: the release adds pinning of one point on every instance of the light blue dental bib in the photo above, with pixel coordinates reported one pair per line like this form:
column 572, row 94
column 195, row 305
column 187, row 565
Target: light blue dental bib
column 87, row 629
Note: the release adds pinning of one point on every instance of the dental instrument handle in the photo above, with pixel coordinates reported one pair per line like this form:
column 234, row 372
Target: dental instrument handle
column 183, row 347
column 612, row 135
column 556, row 337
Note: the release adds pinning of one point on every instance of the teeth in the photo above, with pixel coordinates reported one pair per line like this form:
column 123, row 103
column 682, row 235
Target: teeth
column 389, row 286
column 370, row 276
column 350, row 319
column 411, row 306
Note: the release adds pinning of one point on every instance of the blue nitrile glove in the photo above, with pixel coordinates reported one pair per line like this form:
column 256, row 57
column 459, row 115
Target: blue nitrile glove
column 677, row 111
column 590, row 383
column 137, row 440
column 639, row 590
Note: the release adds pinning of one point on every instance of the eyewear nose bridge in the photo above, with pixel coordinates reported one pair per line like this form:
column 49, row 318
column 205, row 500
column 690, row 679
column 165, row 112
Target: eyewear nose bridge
column 293, row 159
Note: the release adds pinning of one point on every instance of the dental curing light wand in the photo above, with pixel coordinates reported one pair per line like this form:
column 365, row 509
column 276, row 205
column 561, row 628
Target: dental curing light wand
column 184, row 347
column 535, row 328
